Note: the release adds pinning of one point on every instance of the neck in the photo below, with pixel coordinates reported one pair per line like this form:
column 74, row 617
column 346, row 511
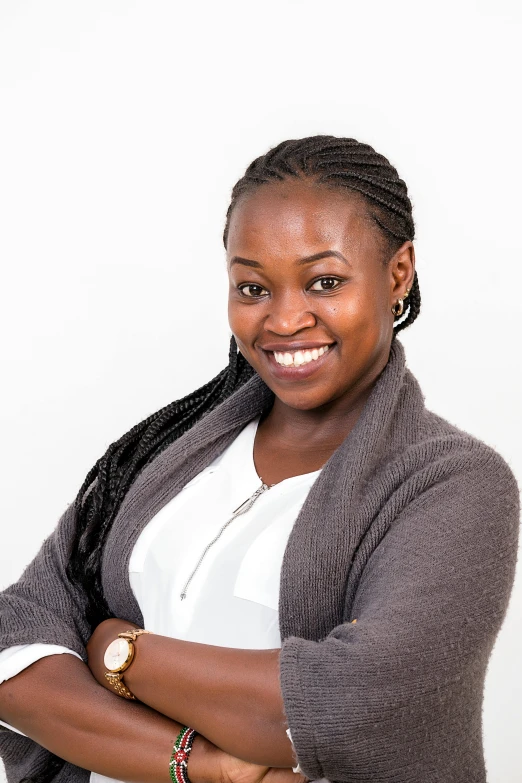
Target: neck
column 324, row 427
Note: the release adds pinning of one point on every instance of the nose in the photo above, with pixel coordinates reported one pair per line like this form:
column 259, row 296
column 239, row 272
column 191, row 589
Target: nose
column 289, row 313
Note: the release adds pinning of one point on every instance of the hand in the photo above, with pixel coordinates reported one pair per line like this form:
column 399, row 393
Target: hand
column 103, row 635
column 209, row 764
column 234, row 770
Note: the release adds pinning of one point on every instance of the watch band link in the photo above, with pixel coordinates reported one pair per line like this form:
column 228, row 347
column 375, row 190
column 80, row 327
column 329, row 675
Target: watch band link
column 116, row 678
column 132, row 634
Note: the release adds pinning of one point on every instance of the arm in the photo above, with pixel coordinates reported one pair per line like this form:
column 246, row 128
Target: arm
column 214, row 690
column 57, row 703
column 14, row 659
column 43, row 606
column 386, row 696
column 398, row 695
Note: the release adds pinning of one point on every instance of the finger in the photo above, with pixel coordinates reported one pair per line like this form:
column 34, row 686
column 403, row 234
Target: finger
column 284, row 775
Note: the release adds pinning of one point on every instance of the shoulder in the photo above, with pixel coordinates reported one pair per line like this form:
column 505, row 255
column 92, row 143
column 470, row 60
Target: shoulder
column 428, row 449
column 473, row 454
column 466, row 472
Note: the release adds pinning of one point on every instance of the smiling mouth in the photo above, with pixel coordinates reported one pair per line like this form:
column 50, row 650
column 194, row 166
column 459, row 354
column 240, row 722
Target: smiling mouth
column 299, row 358
column 300, row 363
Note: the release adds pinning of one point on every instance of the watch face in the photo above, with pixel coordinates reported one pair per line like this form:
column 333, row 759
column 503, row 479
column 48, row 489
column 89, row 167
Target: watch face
column 117, row 654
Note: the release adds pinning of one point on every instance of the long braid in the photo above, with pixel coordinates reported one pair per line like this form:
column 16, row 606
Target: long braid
column 334, row 162
column 107, row 483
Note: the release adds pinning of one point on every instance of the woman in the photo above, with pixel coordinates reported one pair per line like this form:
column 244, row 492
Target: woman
column 316, row 566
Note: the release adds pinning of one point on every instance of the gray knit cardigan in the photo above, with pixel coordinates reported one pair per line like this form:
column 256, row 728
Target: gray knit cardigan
column 411, row 528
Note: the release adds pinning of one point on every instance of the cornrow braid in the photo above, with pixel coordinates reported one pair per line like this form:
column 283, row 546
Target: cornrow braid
column 348, row 164
column 334, row 162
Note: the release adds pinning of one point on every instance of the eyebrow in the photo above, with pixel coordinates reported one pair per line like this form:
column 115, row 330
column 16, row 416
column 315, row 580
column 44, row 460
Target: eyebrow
column 301, row 262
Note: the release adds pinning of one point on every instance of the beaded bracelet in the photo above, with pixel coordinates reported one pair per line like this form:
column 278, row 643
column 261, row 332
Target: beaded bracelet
column 179, row 759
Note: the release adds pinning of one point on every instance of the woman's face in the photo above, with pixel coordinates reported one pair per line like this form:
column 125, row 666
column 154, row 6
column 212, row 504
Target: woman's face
column 310, row 298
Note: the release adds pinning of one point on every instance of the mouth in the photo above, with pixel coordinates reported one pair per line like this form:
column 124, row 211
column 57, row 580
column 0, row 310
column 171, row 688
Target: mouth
column 298, row 364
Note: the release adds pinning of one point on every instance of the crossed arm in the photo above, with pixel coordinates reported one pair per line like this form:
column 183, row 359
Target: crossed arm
column 429, row 602
column 231, row 696
column 58, row 703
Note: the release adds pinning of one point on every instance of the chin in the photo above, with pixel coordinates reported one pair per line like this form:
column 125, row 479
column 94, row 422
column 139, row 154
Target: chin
column 303, row 400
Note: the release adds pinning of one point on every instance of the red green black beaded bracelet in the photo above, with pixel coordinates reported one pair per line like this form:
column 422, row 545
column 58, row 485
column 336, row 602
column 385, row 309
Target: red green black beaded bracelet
column 180, row 753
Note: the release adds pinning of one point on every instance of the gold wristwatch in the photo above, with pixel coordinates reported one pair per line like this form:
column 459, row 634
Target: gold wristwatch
column 118, row 657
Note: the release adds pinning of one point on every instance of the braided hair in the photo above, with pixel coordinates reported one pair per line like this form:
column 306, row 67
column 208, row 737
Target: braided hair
column 342, row 164
column 327, row 160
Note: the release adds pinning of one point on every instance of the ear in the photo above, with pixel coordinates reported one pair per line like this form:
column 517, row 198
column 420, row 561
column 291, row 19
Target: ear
column 402, row 271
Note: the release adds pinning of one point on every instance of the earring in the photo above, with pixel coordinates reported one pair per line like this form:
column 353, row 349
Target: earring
column 400, row 305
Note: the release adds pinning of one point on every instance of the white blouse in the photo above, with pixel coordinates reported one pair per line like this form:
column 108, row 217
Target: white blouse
column 228, row 565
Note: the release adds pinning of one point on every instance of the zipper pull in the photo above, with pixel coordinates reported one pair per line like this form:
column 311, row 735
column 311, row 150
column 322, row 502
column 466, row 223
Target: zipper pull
column 249, row 502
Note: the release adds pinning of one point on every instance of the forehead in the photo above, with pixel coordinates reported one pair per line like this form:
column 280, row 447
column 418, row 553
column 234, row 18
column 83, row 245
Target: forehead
column 301, row 214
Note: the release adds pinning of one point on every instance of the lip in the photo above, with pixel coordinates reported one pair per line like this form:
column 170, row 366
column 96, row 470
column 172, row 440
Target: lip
column 284, row 373
column 302, row 346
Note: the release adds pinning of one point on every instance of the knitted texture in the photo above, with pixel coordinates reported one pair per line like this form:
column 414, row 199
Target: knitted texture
column 411, row 528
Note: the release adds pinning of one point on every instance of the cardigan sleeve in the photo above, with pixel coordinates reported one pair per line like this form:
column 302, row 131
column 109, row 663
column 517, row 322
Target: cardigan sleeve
column 43, row 606
column 398, row 694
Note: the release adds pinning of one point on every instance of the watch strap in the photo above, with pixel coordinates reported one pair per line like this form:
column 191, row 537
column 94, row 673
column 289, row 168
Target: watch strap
column 132, row 634
column 116, row 678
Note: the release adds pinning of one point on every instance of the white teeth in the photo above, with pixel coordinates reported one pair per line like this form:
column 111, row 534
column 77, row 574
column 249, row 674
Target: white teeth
column 298, row 358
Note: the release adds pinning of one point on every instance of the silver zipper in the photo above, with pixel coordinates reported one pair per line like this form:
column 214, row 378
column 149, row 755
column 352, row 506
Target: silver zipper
column 249, row 502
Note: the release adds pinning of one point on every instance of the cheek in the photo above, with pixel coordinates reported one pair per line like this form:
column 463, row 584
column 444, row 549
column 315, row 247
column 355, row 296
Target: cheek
column 348, row 314
column 243, row 320
column 235, row 316
column 358, row 320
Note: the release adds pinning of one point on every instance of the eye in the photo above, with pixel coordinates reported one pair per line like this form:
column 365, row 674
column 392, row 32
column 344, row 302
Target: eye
column 325, row 284
column 252, row 291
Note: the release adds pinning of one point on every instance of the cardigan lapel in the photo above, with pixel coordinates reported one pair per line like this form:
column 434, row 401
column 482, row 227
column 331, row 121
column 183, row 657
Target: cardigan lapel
column 330, row 525
column 328, row 529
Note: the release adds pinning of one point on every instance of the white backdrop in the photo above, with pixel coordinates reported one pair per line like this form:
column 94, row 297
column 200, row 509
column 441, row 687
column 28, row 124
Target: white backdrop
column 124, row 125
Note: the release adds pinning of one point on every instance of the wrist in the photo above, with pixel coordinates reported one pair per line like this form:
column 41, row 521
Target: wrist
column 136, row 674
column 203, row 761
